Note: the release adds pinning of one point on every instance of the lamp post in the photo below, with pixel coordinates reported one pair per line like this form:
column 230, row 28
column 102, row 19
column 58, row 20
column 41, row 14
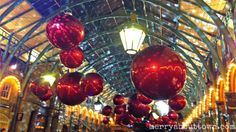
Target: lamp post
column 132, row 35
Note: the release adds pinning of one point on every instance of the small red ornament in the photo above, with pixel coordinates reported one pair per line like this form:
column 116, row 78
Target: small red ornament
column 105, row 120
column 165, row 119
column 65, row 31
column 39, row 89
column 173, row 115
column 160, row 121
column 172, row 123
column 143, row 99
column 72, row 58
column 118, row 100
column 68, row 89
column 177, row 103
column 126, row 119
column 92, row 83
column 47, row 96
column 158, row 72
column 120, row 109
column 138, row 109
column 107, row 110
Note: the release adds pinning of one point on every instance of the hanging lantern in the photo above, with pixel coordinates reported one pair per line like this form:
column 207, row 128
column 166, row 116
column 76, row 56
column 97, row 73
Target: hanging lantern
column 72, row 58
column 132, row 35
column 177, row 103
column 97, row 105
column 92, row 83
column 118, row 100
column 68, row 89
column 158, row 72
column 65, row 31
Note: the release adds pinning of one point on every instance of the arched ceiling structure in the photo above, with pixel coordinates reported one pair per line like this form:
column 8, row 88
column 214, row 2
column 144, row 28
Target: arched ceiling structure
column 180, row 24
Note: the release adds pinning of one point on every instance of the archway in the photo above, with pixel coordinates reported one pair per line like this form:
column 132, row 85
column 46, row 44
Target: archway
column 231, row 78
column 4, row 122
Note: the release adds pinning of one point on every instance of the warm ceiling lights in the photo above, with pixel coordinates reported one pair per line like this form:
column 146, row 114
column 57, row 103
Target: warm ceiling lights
column 132, row 35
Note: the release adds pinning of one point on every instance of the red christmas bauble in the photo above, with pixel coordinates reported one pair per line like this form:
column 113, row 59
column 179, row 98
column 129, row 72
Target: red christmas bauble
column 47, row 96
column 72, row 58
column 65, row 31
column 120, row 109
column 160, row 121
column 107, row 110
column 158, row 72
column 105, row 120
column 34, row 87
column 172, row 123
column 39, row 89
column 143, row 99
column 126, row 119
column 165, row 119
column 68, row 89
column 177, row 103
column 138, row 109
column 118, row 100
column 173, row 115
column 92, row 83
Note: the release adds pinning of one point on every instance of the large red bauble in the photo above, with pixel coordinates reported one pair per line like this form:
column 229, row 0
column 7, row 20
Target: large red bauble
column 177, row 103
column 107, row 110
column 143, row 99
column 173, row 115
column 138, row 109
column 158, row 72
column 105, row 120
column 47, row 96
column 68, row 89
column 65, row 31
column 72, row 58
column 92, row 83
column 120, row 109
column 118, row 100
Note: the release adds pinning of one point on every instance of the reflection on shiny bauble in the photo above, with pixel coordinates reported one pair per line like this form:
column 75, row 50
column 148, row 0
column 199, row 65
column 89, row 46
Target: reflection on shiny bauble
column 72, row 58
column 65, row 31
column 92, row 83
column 68, row 89
column 158, row 72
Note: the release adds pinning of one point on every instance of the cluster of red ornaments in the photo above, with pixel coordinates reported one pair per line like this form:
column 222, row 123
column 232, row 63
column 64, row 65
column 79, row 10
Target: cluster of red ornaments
column 73, row 88
column 66, row 32
column 43, row 91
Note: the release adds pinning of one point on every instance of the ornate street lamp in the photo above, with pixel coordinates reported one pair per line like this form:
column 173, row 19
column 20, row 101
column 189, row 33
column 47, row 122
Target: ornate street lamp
column 132, row 35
